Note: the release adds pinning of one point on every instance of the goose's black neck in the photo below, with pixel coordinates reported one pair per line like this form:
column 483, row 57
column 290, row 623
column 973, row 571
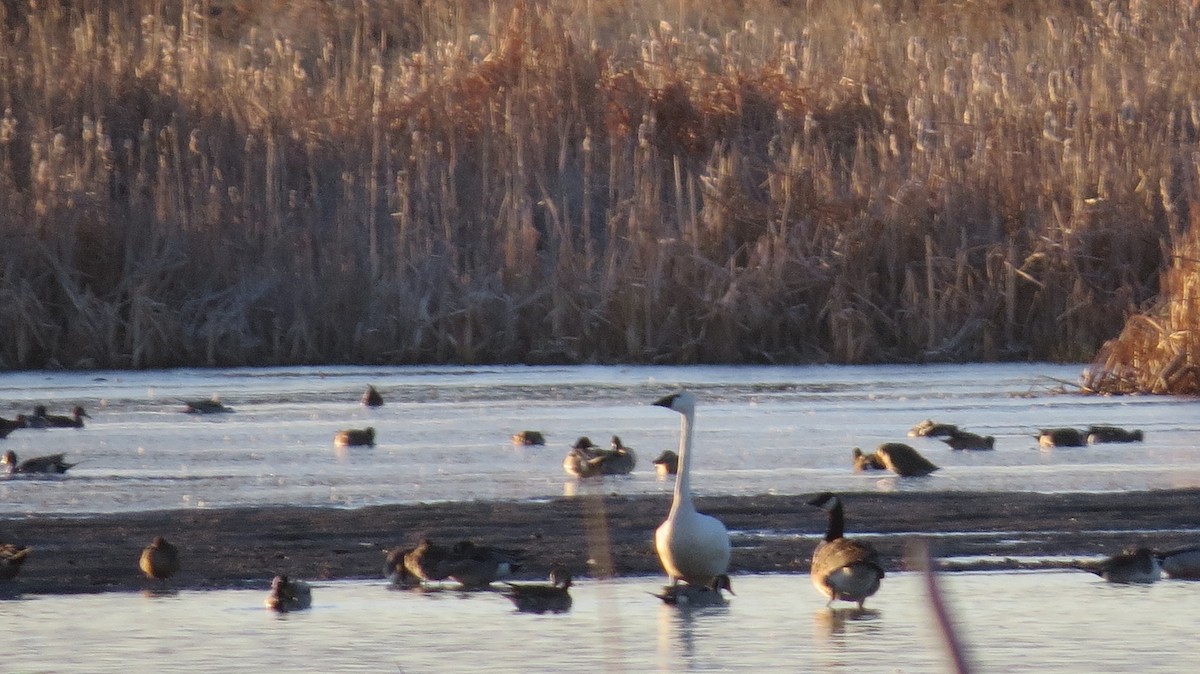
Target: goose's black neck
column 837, row 522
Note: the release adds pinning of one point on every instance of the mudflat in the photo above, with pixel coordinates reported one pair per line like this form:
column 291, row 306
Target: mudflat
column 593, row 535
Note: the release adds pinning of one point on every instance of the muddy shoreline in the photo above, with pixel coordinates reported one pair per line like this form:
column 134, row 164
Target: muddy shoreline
column 595, row 536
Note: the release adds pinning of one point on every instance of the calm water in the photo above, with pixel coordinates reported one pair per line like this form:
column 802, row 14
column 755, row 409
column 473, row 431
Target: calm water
column 444, row 433
column 1017, row 622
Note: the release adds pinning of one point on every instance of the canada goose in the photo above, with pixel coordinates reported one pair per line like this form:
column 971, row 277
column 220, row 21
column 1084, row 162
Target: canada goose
column 211, row 406
column 1181, row 563
column 9, row 425
column 697, row 595
column 667, row 463
column 477, row 566
column 355, row 437
column 52, row 463
column 931, row 429
column 1130, row 566
column 1061, row 437
column 11, row 559
column 371, row 397
column 691, row 546
column 57, row 420
column 288, row 595
column 843, row 568
column 864, row 462
column 542, row 598
column 904, row 460
column 1100, row 434
column 159, row 560
column 528, row 438
column 965, row 440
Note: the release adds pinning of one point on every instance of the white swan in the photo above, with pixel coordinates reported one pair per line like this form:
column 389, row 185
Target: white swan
column 692, row 546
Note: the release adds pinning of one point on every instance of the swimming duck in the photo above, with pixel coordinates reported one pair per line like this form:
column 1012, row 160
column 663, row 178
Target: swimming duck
column 477, row 566
column 1100, row 434
column 288, row 595
column 1061, row 437
column 1181, row 563
column 33, row 421
column 1130, row 566
column 667, row 463
column 9, row 425
column 619, row 460
column 697, row 595
column 355, row 437
column 964, row 440
column 211, row 406
column 427, row 561
column 904, row 460
column 580, row 462
column 843, row 568
column 57, row 420
column 371, row 397
column 931, row 429
column 11, row 559
column 692, row 546
column 52, row 463
column 864, row 462
column 542, row 598
column 528, row 438
column 159, row 560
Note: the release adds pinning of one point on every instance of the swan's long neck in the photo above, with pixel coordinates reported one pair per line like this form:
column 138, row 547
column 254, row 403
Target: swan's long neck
column 683, row 483
column 837, row 523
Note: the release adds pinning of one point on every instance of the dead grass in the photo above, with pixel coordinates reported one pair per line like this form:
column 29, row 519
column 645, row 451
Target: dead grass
column 242, row 182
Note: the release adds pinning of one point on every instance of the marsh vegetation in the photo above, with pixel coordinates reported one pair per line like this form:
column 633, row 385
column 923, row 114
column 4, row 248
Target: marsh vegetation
column 223, row 183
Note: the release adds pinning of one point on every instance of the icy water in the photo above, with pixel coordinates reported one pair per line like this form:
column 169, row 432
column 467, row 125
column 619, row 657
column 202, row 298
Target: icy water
column 1016, row 622
column 443, row 433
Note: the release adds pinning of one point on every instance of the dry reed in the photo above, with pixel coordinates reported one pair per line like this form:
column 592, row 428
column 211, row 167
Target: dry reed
column 223, row 183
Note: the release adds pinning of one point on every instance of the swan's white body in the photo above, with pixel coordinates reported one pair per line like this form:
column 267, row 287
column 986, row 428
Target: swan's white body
column 692, row 546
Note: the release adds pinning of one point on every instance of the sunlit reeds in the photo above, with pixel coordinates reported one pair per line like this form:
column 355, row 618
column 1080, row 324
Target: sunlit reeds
column 225, row 182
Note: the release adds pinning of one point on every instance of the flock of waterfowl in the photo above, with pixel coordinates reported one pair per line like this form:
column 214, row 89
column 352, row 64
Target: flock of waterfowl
column 693, row 548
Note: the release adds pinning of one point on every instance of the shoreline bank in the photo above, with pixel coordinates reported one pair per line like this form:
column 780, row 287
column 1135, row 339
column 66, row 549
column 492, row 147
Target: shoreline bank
column 593, row 535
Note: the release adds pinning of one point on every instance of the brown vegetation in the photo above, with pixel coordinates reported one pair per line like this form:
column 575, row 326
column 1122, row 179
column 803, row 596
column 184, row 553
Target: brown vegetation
column 229, row 182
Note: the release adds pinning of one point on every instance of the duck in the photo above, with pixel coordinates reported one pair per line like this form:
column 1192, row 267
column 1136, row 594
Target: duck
column 903, row 460
column 693, row 547
column 427, row 561
column 1101, row 434
column 11, row 559
column 211, row 406
column 966, row 440
column 667, row 463
column 529, row 438
column 33, row 421
column 584, row 459
column 843, row 568
column 52, row 463
column 9, row 425
column 478, row 566
column 542, row 598
column 1061, row 437
column 865, row 462
column 395, row 570
column 371, row 397
column 1139, row 565
column 697, row 595
column 931, row 429
column 75, row 420
column 1181, row 563
column 288, row 595
column 159, row 560
column 619, row 460
column 355, row 437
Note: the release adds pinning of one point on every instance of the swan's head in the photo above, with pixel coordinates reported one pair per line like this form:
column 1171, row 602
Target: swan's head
column 682, row 402
column 825, row 501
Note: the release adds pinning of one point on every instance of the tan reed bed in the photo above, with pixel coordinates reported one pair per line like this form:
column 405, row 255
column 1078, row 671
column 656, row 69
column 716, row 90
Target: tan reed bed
column 219, row 183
